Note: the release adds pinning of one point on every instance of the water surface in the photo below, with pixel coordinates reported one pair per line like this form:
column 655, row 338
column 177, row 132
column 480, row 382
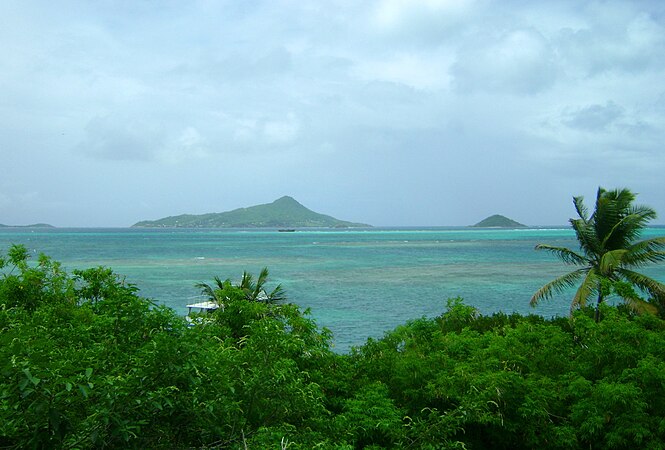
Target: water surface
column 358, row 283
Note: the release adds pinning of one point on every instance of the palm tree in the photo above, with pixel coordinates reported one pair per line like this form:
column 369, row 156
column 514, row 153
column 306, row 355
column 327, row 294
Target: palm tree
column 608, row 251
column 255, row 291
column 215, row 293
column 250, row 290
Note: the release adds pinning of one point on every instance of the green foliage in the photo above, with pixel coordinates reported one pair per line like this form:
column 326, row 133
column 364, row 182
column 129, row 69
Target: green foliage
column 224, row 292
column 523, row 382
column 85, row 362
column 29, row 286
column 609, row 252
column 96, row 284
column 371, row 418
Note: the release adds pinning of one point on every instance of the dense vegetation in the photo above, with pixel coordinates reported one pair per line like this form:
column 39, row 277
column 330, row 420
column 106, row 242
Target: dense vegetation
column 87, row 363
column 284, row 212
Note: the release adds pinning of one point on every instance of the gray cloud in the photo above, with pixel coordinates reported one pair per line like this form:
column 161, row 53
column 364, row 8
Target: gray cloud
column 424, row 112
column 615, row 39
column 520, row 62
column 119, row 139
column 594, row 117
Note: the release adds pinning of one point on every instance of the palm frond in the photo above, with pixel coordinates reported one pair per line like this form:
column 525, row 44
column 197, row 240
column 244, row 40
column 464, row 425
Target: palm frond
column 642, row 259
column 565, row 254
column 247, row 282
column 263, row 276
column 640, row 306
column 206, row 290
column 621, row 233
column 604, row 217
column 277, row 294
column 623, row 197
column 628, row 227
column 581, row 208
column 589, row 285
column 617, row 222
column 611, row 260
column 586, row 236
column 557, row 285
column 611, row 208
column 645, row 252
column 645, row 212
column 653, row 287
column 260, row 282
column 221, row 284
column 640, row 217
column 212, row 291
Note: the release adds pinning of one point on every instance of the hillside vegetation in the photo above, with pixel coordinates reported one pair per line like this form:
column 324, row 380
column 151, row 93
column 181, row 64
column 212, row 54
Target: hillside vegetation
column 284, row 212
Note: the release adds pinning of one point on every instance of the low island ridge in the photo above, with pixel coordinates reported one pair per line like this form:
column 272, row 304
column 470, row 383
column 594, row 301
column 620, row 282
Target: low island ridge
column 34, row 225
column 498, row 221
column 284, row 212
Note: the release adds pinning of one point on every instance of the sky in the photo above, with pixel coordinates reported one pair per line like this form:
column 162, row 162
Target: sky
column 387, row 112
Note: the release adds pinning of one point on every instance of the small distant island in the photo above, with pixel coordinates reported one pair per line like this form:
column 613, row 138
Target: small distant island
column 35, row 225
column 284, row 213
column 498, row 221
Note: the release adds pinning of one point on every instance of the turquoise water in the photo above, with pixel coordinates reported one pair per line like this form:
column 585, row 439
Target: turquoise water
column 358, row 283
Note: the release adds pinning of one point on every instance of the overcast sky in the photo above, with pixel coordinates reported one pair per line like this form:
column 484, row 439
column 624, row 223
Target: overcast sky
column 395, row 112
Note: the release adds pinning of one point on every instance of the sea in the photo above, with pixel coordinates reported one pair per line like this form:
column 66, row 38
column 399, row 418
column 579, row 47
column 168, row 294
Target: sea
column 359, row 283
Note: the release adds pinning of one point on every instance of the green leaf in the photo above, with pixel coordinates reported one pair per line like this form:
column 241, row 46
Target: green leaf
column 34, row 380
column 84, row 390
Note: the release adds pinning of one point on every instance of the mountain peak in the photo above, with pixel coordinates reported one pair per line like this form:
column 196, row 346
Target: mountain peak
column 286, row 200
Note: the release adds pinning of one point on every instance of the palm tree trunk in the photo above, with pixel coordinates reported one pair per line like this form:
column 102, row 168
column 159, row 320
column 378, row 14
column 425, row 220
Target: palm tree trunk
column 596, row 314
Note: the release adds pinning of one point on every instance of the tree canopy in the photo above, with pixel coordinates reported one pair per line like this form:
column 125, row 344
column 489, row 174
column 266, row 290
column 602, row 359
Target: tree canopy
column 609, row 253
column 88, row 363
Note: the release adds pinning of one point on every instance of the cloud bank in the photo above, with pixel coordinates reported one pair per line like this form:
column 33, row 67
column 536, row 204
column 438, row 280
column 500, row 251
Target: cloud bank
column 387, row 112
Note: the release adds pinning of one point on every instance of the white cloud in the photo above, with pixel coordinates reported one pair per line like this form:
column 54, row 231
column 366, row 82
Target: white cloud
column 424, row 71
column 187, row 145
column 423, row 15
column 282, row 130
column 255, row 132
column 245, row 130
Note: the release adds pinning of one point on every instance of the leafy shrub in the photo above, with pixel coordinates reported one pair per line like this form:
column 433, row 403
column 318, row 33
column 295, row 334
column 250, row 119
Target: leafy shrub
column 85, row 362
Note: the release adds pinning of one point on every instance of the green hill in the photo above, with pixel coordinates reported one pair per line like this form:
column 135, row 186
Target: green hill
column 282, row 213
column 498, row 221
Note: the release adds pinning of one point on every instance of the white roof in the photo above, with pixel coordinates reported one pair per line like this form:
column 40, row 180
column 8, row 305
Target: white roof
column 204, row 305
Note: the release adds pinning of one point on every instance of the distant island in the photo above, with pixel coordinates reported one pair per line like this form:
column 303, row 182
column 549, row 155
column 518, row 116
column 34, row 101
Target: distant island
column 283, row 213
column 498, row 221
column 35, row 225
